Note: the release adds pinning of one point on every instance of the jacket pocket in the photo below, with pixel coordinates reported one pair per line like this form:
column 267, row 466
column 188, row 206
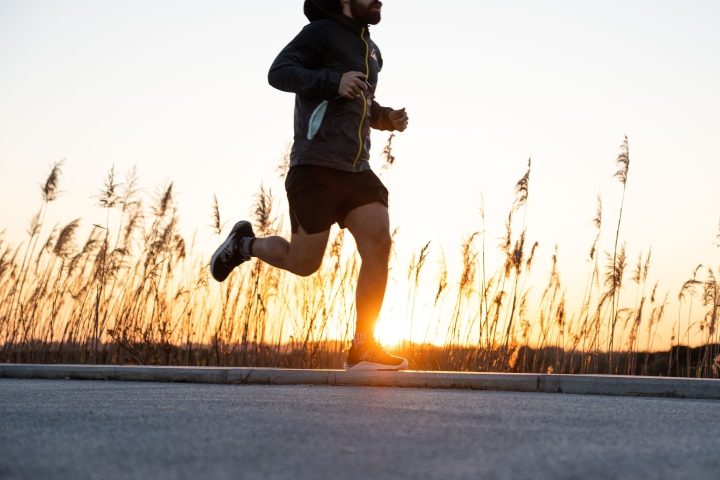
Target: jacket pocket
column 316, row 119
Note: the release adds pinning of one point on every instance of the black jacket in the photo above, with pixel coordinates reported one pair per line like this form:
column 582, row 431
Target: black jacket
column 330, row 130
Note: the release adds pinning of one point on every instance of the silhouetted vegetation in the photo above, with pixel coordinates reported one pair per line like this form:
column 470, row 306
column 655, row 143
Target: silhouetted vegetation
column 136, row 292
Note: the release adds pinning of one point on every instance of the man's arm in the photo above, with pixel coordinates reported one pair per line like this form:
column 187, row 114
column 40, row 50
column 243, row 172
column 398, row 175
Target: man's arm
column 385, row 118
column 379, row 117
column 296, row 67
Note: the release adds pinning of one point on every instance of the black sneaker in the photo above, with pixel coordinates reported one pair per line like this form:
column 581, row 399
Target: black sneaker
column 229, row 254
column 371, row 356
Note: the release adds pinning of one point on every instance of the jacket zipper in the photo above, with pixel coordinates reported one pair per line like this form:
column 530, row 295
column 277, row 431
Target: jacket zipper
column 361, row 143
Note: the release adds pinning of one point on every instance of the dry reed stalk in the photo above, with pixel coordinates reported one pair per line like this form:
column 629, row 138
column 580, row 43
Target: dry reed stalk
column 465, row 289
column 284, row 166
column 639, row 277
column 484, row 286
column 414, row 270
column 688, row 288
column 217, row 225
column 613, row 283
column 711, row 300
column 593, row 281
column 263, row 208
column 655, row 319
column 387, row 153
column 49, row 192
column 514, row 258
column 548, row 304
column 623, row 162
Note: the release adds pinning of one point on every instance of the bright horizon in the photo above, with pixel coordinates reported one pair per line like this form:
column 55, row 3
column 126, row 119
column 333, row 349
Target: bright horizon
column 179, row 89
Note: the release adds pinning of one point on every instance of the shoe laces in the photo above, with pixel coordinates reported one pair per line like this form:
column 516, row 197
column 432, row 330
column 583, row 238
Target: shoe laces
column 375, row 349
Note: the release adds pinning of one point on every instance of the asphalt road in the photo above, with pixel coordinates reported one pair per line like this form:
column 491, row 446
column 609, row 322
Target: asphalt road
column 126, row 430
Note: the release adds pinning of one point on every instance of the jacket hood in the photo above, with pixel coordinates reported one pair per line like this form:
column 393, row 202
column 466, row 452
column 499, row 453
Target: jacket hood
column 319, row 9
column 331, row 9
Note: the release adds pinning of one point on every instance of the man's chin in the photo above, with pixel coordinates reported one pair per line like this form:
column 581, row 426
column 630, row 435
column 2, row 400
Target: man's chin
column 373, row 18
column 369, row 16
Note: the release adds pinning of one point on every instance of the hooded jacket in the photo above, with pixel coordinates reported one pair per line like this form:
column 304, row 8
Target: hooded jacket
column 330, row 130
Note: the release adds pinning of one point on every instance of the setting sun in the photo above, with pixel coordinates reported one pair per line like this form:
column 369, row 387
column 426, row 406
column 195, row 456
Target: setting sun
column 391, row 332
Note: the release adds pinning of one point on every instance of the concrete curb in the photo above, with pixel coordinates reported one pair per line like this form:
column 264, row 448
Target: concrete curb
column 514, row 382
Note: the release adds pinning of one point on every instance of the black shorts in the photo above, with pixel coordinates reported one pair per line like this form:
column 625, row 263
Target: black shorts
column 320, row 196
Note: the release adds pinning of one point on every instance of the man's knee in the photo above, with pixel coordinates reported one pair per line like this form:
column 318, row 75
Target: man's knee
column 306, row 267
column 378, row 242
column 370, row 226
column 306, row 252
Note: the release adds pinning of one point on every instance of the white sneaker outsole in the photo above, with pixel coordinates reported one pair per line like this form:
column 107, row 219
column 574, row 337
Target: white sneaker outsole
column 371, row 366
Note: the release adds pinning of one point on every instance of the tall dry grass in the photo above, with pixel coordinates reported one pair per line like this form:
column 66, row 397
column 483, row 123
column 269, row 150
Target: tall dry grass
column 135, row 291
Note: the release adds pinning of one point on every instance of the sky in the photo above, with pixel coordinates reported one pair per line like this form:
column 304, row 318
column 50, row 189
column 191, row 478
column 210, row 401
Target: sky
column 179, row 89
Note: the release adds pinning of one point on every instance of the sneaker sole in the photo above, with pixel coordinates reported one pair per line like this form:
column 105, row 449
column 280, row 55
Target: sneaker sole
column 377, row 367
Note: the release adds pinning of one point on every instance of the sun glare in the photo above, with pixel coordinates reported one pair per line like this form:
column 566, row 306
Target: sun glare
column 391, row 331
column 394, row 328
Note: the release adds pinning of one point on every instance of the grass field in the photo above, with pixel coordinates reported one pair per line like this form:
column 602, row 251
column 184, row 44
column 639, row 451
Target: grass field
column 138, row 292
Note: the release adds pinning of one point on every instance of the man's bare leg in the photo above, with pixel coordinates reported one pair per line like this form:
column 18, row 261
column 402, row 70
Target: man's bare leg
column 370, row 225
column 302, row 255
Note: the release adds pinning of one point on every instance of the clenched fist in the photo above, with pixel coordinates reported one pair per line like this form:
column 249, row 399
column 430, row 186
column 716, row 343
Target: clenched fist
column 399, row 119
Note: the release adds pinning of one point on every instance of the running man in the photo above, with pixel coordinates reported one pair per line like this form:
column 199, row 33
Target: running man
column 332, row 67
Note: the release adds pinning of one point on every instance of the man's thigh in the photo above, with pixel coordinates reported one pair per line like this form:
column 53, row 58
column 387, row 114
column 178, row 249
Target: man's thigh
column 369, row 224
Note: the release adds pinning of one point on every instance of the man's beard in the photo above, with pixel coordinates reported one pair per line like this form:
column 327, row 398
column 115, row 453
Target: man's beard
column 363, row 14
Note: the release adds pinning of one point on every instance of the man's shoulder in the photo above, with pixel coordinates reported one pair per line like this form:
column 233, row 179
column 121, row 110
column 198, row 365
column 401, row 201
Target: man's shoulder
column 325, row 30
column 321, row 24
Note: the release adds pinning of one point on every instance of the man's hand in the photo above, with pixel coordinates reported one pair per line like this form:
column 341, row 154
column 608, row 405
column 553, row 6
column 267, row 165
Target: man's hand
column 398, row 119
column 352, row 85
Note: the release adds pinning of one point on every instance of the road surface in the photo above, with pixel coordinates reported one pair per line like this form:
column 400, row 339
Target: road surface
column 129, row 430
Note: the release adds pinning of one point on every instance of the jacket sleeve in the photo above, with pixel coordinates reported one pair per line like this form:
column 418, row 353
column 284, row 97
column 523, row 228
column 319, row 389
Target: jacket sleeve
column 297, row 68
column 379, row 117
